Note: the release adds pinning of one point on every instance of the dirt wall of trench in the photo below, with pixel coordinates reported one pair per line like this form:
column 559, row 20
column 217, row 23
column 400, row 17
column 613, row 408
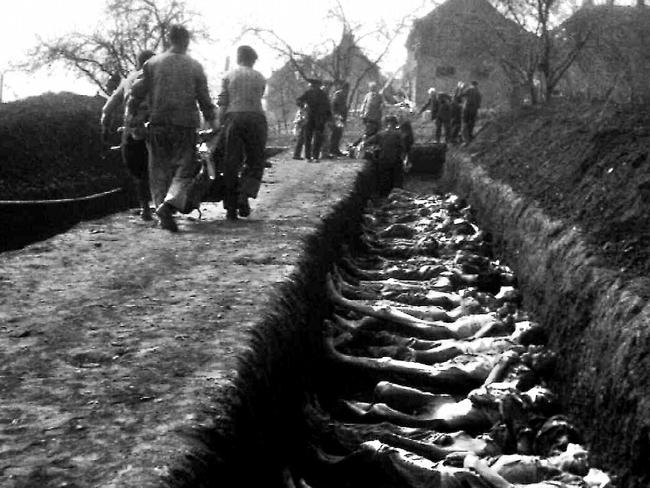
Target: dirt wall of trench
column 259, row 426
column 599, row 321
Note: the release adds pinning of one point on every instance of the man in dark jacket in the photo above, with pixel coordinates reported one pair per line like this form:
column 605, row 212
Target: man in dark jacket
column 390, row 170
column 318, row 113
column 340, row 112
column 471, row 103
column 443, row 116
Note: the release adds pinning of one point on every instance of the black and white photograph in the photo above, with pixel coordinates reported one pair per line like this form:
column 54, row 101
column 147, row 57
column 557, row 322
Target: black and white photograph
column 325, row 244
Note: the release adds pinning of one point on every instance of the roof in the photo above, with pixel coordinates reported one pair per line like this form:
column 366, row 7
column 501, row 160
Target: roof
column 466, row 26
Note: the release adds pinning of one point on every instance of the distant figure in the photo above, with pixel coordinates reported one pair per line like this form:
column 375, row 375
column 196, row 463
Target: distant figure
column 443, row 116
column 431, row 103
column 390, row 171
column 340, row 116
column 299, row 123
column 173, row 83
column 408, row 138
column 133, row 146
column 456, row 118
column 471, row 103
column 371, row 110
column 318, row 114
column 240, row 105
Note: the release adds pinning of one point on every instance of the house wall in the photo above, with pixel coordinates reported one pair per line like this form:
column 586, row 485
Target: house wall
column 430, row 71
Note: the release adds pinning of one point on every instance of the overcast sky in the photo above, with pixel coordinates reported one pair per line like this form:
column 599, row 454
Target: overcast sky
column 303, row 23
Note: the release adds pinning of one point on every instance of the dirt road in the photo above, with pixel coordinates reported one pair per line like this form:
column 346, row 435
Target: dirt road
column 114, row 335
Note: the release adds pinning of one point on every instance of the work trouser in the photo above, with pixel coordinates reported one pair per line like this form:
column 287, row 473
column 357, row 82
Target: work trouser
column 313, row 138
column 243, row 168
column 300, row 142
column 335, row 139
column 455, row 129
column 440, row 125
column 136, row 160
column 172, row 165
column 469, row 120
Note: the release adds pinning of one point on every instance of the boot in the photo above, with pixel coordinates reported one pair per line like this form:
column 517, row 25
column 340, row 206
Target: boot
column 167, row 222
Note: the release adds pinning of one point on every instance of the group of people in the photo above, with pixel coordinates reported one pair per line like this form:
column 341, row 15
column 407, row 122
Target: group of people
column 161, row 100
column 451, row 113
column 316, row 116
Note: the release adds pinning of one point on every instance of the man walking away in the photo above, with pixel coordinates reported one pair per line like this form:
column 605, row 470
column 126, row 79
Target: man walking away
column 240, row 105
column 318, row 113
column 340, row 112
column 133, row 146
column 471, row 103
column 173, row 83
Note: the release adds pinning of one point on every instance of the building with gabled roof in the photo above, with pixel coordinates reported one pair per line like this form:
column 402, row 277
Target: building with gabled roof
column 462, row 40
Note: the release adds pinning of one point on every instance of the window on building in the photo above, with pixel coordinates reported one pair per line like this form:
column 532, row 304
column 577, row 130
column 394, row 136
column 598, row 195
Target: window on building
column 445, row 71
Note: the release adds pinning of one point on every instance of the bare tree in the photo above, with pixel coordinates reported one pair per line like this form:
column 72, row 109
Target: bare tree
column 110, row 51
column 342, row 58
column 546, row 50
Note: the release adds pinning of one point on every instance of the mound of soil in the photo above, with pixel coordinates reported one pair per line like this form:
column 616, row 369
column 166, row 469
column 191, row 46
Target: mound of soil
column 585, row 163
column 50, row 147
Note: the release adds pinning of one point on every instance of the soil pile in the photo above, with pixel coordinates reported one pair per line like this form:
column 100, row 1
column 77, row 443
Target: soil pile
column 50, row 147
column 585, row 163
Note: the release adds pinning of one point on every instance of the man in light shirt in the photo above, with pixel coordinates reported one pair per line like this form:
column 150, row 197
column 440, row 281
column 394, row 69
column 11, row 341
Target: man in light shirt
column 240, row 105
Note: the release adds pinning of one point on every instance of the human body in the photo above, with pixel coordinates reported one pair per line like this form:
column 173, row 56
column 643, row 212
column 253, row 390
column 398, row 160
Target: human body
column 443, row 117
column 371, row 110
column 240, row 102
column 173, row 83
column 340, row 115
column 471, row 103
column 318, row 114
column 133, row 146
column 299, row 131
column 390, row 172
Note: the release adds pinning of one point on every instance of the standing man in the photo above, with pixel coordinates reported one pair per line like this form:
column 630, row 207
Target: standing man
column 173, row 83
column 340, row 112
column 371, row 110
column 318, row 113
column 240, row 105
column 390, row 169
column 431, row 104
column 443, row 117
column 299, row 122
column 133, row 146
column 471, row 103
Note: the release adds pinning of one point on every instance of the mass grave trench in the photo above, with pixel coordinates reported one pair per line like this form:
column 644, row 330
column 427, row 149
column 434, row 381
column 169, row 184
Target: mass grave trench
column 425, row 363
column 597, row 318
column 286, row 365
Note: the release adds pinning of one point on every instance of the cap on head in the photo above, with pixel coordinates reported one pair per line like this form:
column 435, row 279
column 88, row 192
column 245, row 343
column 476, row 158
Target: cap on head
column 431, row 91
column 246, row 55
